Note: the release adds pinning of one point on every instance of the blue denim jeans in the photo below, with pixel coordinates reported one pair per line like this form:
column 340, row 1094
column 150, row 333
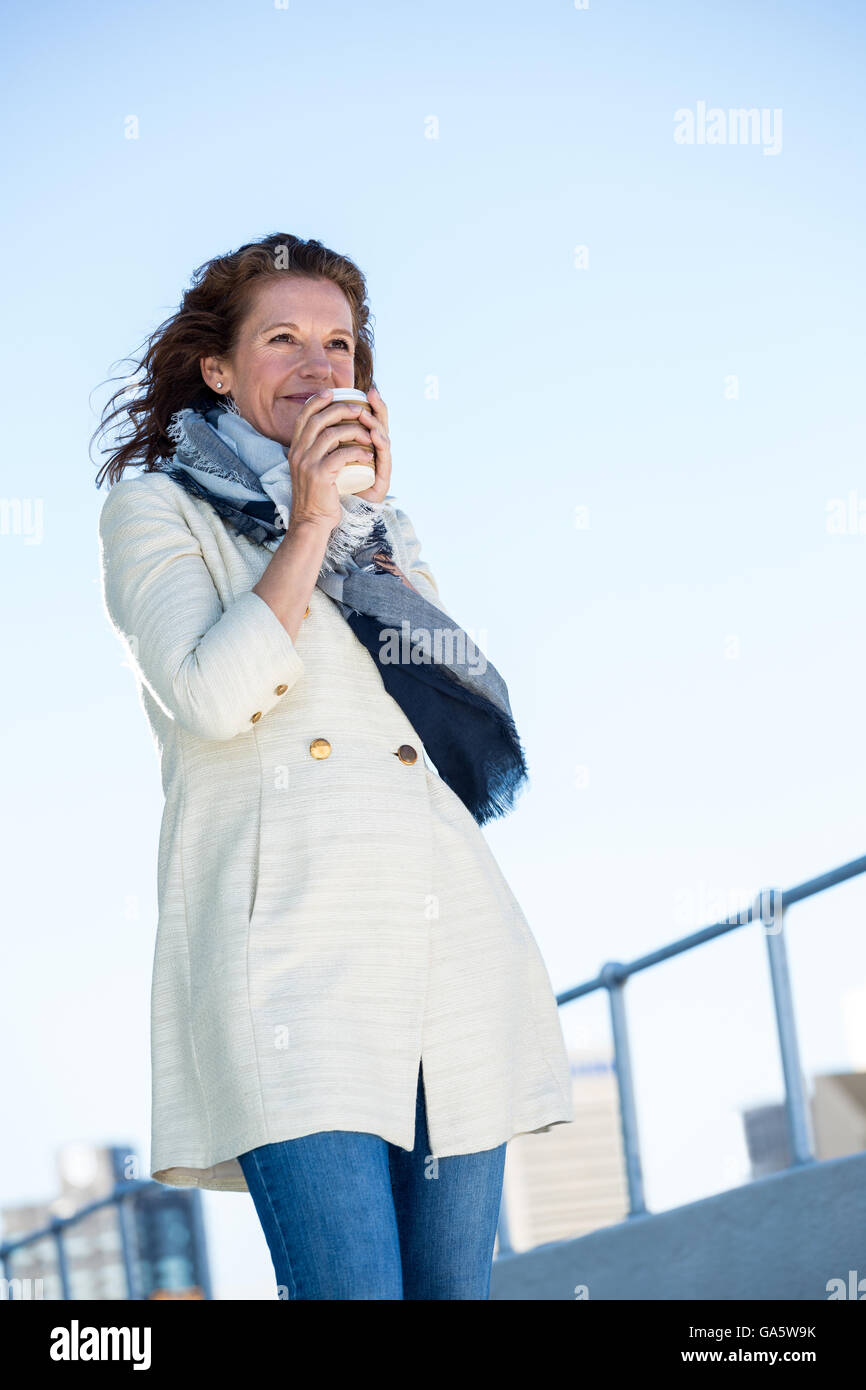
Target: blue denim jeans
column 350, row 1216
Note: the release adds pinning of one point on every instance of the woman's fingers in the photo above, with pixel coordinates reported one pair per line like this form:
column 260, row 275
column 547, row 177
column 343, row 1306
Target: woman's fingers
column 330, row 443
column 320, row 414
column 322, row 427
column 315, row 458
column 375, row 417
column 375, row 413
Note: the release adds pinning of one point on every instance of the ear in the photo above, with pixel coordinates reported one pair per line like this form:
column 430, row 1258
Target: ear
column 216, row 375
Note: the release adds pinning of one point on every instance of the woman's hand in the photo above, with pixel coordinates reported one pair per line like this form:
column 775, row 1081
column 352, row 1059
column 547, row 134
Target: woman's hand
column 316, row 460
column 375, row 417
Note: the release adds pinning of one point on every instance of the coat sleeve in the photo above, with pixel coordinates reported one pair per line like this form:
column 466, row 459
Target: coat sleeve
column 211, row 669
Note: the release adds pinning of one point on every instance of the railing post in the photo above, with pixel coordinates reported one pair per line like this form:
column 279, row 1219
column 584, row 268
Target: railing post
column 58, row 1227
column 502, row 1232
column 770, row 910
column 127, row 1244
column 199, row 1242
column 614, row 983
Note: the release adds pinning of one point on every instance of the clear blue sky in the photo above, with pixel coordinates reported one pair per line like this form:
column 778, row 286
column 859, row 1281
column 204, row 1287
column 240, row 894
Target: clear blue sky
column 697, row 648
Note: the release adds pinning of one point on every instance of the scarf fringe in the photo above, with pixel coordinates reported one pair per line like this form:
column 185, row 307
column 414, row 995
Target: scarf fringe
column 504, row 778
column 361, row 519
column 177, row 433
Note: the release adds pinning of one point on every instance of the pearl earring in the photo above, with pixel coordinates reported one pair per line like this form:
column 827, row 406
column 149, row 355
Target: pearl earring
column 219, row 386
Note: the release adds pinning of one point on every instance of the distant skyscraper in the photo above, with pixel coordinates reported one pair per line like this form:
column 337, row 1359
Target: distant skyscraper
column 767, row 1139
column 570, row 1179
column 838, row 1113
column 164, row 1230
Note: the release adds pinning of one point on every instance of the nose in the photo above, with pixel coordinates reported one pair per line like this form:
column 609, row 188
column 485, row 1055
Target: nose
column 315, row 365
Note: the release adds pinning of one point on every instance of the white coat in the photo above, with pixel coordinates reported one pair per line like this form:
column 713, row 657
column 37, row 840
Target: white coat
column 325, row 923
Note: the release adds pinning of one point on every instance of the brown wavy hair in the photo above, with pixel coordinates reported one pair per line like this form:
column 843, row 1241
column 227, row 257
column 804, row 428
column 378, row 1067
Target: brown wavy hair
column 206, row 325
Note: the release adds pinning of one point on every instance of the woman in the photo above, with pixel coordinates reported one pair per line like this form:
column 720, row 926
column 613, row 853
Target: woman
column 350, row 1016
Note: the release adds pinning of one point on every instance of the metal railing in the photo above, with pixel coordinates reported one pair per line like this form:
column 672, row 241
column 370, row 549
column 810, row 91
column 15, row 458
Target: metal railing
column 59, row 1226
column 768, row 908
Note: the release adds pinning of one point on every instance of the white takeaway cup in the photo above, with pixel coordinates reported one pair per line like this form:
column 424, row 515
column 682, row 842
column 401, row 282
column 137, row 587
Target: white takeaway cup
column 355, row 477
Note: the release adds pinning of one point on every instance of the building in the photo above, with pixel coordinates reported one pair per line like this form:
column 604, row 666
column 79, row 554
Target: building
column 571, row 1178
column 165, row 1233
column 838, row 1114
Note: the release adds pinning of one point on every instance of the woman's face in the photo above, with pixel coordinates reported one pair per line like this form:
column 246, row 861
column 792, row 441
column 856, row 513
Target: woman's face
column 296, row 339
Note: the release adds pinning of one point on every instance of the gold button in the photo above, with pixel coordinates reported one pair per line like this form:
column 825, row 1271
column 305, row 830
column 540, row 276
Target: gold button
column 254, row 717
column 320, row 748
column 307, row 614
column 281, row 689
column 406, row 753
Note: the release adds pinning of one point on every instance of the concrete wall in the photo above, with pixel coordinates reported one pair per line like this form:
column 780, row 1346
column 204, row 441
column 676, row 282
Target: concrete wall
column 782, row 1236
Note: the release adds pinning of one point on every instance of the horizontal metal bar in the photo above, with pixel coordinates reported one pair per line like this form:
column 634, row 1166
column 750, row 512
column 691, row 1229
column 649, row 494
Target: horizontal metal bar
column 121, row 1190
column 687, row 943
column 828, row 880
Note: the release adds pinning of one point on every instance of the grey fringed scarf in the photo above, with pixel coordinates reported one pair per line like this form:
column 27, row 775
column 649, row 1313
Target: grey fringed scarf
column 453, row 697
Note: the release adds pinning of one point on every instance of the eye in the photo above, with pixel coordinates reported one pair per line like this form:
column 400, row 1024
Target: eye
column 342, row 341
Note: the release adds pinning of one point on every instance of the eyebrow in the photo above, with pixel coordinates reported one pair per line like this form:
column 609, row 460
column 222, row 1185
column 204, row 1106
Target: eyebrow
column 346, row 332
